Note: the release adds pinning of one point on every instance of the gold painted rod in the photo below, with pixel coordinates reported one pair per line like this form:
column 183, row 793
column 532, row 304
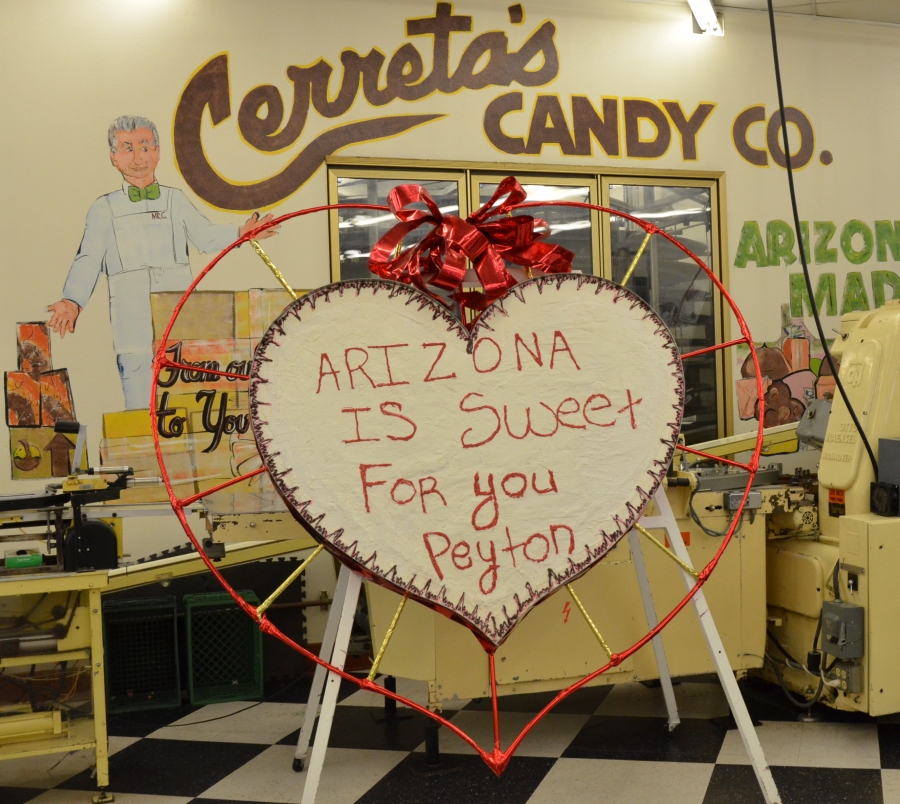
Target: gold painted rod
column 278, row 275
column 634, row 262
column 590, row 622
column 686, row 567
column 387, row 638
column 290, row 579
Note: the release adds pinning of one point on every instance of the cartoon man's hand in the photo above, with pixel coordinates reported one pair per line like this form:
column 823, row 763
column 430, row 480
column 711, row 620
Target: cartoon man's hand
column 65, row 313
column 254, row 222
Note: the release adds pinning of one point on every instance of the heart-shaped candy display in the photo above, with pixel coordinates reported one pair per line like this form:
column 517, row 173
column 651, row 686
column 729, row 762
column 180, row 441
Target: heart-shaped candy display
column 475, row 471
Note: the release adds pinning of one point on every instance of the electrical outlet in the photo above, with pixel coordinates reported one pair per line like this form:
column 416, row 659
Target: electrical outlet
column 850, row 674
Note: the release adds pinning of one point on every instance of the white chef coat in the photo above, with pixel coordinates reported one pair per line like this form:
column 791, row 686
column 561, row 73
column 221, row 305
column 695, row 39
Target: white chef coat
column 142, row 247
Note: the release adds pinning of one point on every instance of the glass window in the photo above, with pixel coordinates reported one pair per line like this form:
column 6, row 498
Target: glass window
column 569, row 226
column 686, row 208
column 673, row 284
column 360, row 229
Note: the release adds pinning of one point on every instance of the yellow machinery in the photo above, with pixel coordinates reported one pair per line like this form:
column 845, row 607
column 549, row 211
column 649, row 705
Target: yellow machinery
column 553, row 646
column 51, row 633
column 54, row 621
column 778, row 574
column 858, row 549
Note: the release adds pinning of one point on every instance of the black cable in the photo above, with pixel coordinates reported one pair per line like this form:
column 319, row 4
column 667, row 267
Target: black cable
column 41, row 599
column 836, row 580
column 796, row 701
column 818, row 694
column 212, row 719
column 230, row 714
column 803, row 263
column 704, row 528
column 781, row 648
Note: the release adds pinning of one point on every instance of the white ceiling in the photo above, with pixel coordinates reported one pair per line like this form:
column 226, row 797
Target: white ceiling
column 864, row 10
column 877, row 11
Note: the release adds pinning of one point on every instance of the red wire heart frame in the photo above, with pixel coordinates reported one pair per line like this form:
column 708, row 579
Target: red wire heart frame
column 496, row 759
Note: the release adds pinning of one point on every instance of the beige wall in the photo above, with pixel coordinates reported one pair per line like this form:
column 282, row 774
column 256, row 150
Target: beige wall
column 70, row 68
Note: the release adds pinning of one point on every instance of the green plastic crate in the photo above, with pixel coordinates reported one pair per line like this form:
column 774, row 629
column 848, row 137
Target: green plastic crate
column 224, row 649
column 140, row 639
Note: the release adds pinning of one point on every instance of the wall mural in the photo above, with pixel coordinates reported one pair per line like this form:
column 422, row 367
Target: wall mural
column 140, row 234
column 486, row 61
column 794, row 368
column 794, row 373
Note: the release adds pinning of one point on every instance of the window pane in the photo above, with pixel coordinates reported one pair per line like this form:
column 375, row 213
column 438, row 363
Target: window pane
column 569, row 226
column 360, row 229
column 673, row 284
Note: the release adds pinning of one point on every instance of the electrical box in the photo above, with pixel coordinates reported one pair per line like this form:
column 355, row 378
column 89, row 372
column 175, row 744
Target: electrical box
column 813, row 424
column 889, row 460
column 733, row 500
column 850, row 676
column 842, row 629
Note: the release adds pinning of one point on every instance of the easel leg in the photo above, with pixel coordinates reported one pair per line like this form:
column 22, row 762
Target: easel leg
column 332, row 685
column 717, row 650
column 315, row 694
column 665, row 680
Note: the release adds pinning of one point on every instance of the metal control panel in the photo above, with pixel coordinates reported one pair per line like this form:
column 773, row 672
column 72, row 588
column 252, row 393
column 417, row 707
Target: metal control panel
column 843, row 629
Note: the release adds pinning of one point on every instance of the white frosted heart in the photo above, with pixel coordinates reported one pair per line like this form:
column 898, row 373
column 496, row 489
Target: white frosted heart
column 476, row 472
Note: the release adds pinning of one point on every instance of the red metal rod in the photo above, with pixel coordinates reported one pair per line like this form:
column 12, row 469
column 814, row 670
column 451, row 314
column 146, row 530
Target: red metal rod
column 161, row 351
column 712, row 457
column 715, row 348
column 225, row 485
column 363, row 683
column 270, row 629
column 495, row 707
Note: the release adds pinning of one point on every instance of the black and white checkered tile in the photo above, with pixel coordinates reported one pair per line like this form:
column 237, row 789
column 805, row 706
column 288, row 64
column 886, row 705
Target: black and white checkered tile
column 605, row 745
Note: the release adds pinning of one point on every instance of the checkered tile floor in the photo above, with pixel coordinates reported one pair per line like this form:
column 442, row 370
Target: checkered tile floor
column 605, row 745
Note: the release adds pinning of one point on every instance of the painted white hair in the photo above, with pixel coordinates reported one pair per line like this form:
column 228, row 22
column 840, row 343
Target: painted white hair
column 130, row 122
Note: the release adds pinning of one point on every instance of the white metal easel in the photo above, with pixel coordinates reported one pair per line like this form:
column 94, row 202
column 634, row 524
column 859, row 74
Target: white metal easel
column 666, row 520
column 340, row 622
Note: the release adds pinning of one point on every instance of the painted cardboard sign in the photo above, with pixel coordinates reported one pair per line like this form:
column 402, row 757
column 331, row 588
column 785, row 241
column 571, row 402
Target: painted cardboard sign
column 474, row 471
column 203, row 420
column 37, row 397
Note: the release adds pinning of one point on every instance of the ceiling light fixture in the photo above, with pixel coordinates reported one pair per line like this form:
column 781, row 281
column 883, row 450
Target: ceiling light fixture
column 706, row 17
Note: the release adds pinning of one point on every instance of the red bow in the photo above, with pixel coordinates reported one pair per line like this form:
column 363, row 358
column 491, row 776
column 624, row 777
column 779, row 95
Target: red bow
column 439, row 258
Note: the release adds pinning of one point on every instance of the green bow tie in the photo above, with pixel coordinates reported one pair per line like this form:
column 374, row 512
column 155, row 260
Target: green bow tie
column 149, row 193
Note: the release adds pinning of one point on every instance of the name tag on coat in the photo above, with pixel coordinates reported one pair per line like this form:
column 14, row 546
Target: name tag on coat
column 144, row 234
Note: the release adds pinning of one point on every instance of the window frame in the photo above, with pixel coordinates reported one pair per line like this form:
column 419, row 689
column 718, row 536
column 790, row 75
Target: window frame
column 563, row 180
column 364, row 172
column 598, row 177
column 722, row 321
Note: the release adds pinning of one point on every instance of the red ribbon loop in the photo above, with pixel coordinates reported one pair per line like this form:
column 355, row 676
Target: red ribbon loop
column 488, row 238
